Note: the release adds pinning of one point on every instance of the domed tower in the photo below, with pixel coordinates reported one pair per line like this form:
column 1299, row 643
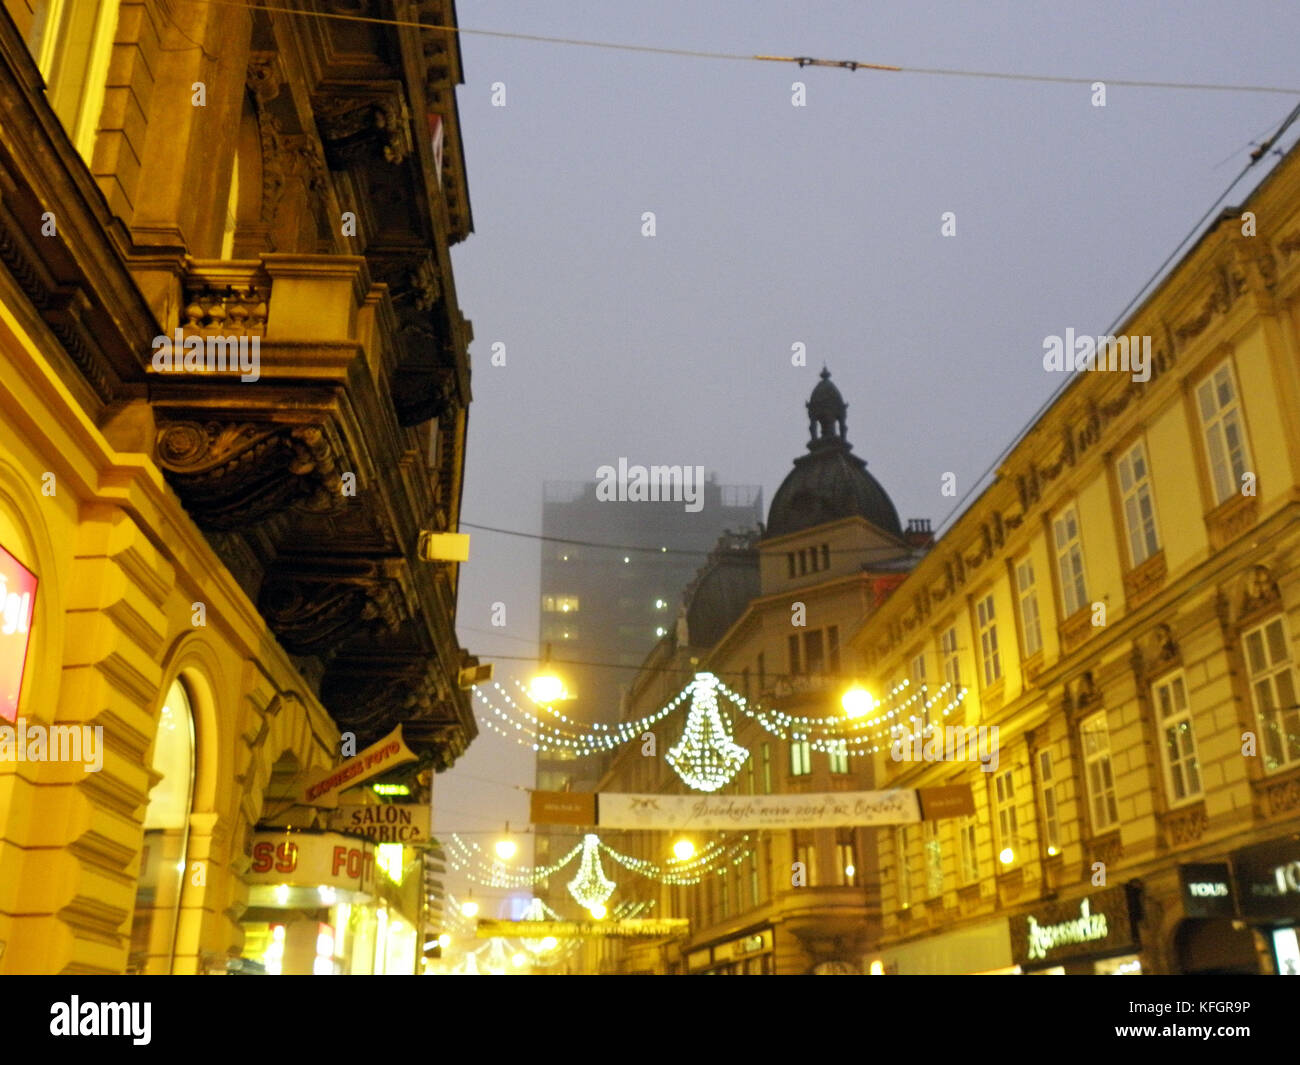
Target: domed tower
column 830, row 482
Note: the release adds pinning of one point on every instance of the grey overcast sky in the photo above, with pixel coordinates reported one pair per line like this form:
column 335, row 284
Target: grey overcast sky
column 819, row 224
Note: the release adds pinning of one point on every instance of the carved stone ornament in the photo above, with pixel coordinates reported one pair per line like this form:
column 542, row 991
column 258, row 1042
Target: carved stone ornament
column 1260, row 590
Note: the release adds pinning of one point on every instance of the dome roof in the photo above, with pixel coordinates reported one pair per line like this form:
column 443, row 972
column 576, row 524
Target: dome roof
column 723, row 588
column 830, row 482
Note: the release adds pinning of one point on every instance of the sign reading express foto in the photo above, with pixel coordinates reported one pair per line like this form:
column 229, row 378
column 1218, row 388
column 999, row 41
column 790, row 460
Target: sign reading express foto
column 323, row 788
column 17, row 601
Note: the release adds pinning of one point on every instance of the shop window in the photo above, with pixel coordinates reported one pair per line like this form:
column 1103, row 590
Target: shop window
column 166, row 838
column 1028, row 593
column 1069, row 561
column 1047, row 789
column 1178, row 742
column 1224, row 433
column 1138, row 505
column 1100, row 775
column 988, row 629
column 1272, row 686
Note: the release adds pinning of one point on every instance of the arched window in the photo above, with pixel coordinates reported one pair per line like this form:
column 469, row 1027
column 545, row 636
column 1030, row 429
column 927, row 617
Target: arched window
column 166, row 838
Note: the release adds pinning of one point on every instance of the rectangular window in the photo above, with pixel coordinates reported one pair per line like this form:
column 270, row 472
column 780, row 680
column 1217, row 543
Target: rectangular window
column 800, row 758
column 1008, row 826
column 792, row 643
column 749, row 775
column 826, row 556
column 1225, row 436
column 767, row 769
column 1069, row 559
column 1138, row 505
column 948, row 652
column 1178, row 746
column 933, row 860
column 846, row 858
column 900, row 868
column 970, row 857
column 988, row 640
column 803, row 562
column 1028, row 594
column 833, row 647
column 1100, row 776
column 762, row 672
column 1047, row 785
column 838, row 754
column 805, row 851
column 753, row 880
column 790, row 561
column 813, row 648
column 1272, row 685
column 725, row 894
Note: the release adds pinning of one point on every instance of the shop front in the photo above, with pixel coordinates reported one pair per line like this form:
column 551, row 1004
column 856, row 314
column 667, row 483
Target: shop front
column 325, row 903
column 980, row 949
column 1267, row 878
column 1092, row 934
column 749, row 954
column 1211, row 940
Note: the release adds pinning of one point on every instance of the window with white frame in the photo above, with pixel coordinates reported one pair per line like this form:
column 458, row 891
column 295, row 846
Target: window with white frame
column 988, row 630
column 916, row 671
column 1069, row 560
column 1178, row 746
column 1008, row 827
column 1028, row 594
column 837, row 753
column 948, row 653
column 1272, row 686
column 800, row 758
column 970, row 855
column 900, row 860
column 1100, row 775
column 933, row 860
column 1138, row 504
column 1047, row 789
column 1225, row 435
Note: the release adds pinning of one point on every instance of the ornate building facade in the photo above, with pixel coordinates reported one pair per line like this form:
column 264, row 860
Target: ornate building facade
column 218, row 544
column 771, row 614
column 1121, row 608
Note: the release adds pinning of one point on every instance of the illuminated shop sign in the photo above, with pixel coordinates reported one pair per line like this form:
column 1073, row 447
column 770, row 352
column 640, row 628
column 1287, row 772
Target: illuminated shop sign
column 1207, row 889
column 17, row 601
column 1268, row 879
column 1096, row 924
column 312, row 859
column 393, row 822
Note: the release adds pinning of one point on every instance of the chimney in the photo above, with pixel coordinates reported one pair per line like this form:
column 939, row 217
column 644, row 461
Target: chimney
column 918, row 532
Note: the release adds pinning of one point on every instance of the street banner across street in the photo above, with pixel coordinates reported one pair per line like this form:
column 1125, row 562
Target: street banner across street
column 632, row 927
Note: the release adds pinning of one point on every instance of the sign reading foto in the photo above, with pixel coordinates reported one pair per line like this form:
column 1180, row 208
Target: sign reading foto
column 323, row 788
column 393, row 822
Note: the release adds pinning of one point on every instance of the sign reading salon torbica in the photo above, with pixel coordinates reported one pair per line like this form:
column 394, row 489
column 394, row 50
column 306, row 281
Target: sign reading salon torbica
column 1092, row 925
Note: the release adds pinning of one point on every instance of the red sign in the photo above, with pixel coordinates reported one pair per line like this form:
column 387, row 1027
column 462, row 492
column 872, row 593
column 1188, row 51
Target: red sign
column 17, row 601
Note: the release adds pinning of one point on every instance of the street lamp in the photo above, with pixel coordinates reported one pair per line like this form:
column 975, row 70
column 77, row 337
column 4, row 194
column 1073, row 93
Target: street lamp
column 857, row 701
column 547, row 687
column 683, row 849
column 506, row 848
column 469, row 908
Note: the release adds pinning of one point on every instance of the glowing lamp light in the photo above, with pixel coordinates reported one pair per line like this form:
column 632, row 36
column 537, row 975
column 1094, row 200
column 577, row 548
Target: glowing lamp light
column 599, row 911
column 850, row 870
column 857, row 702
column 519, row 959
column 1007, row 856
column 877, row 968
column 1052, row 852
column 282, row 894
column 444, row 941
column 469, row 908
column 546, row 688
column 506, row 849
column 549, row 943
column 683, row 850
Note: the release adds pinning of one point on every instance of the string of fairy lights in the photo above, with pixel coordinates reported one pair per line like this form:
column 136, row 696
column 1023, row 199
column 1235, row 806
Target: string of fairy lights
column 707, row 757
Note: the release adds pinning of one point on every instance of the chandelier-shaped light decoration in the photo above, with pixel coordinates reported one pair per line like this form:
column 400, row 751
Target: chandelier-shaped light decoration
column 591, row 887
column 706, row 757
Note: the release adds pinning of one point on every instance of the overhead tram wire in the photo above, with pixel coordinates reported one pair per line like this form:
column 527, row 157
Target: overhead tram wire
column 978, row 484
column 802, row 61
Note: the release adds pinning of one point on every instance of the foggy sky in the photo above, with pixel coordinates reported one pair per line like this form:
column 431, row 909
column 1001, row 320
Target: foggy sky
column 819, row 225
